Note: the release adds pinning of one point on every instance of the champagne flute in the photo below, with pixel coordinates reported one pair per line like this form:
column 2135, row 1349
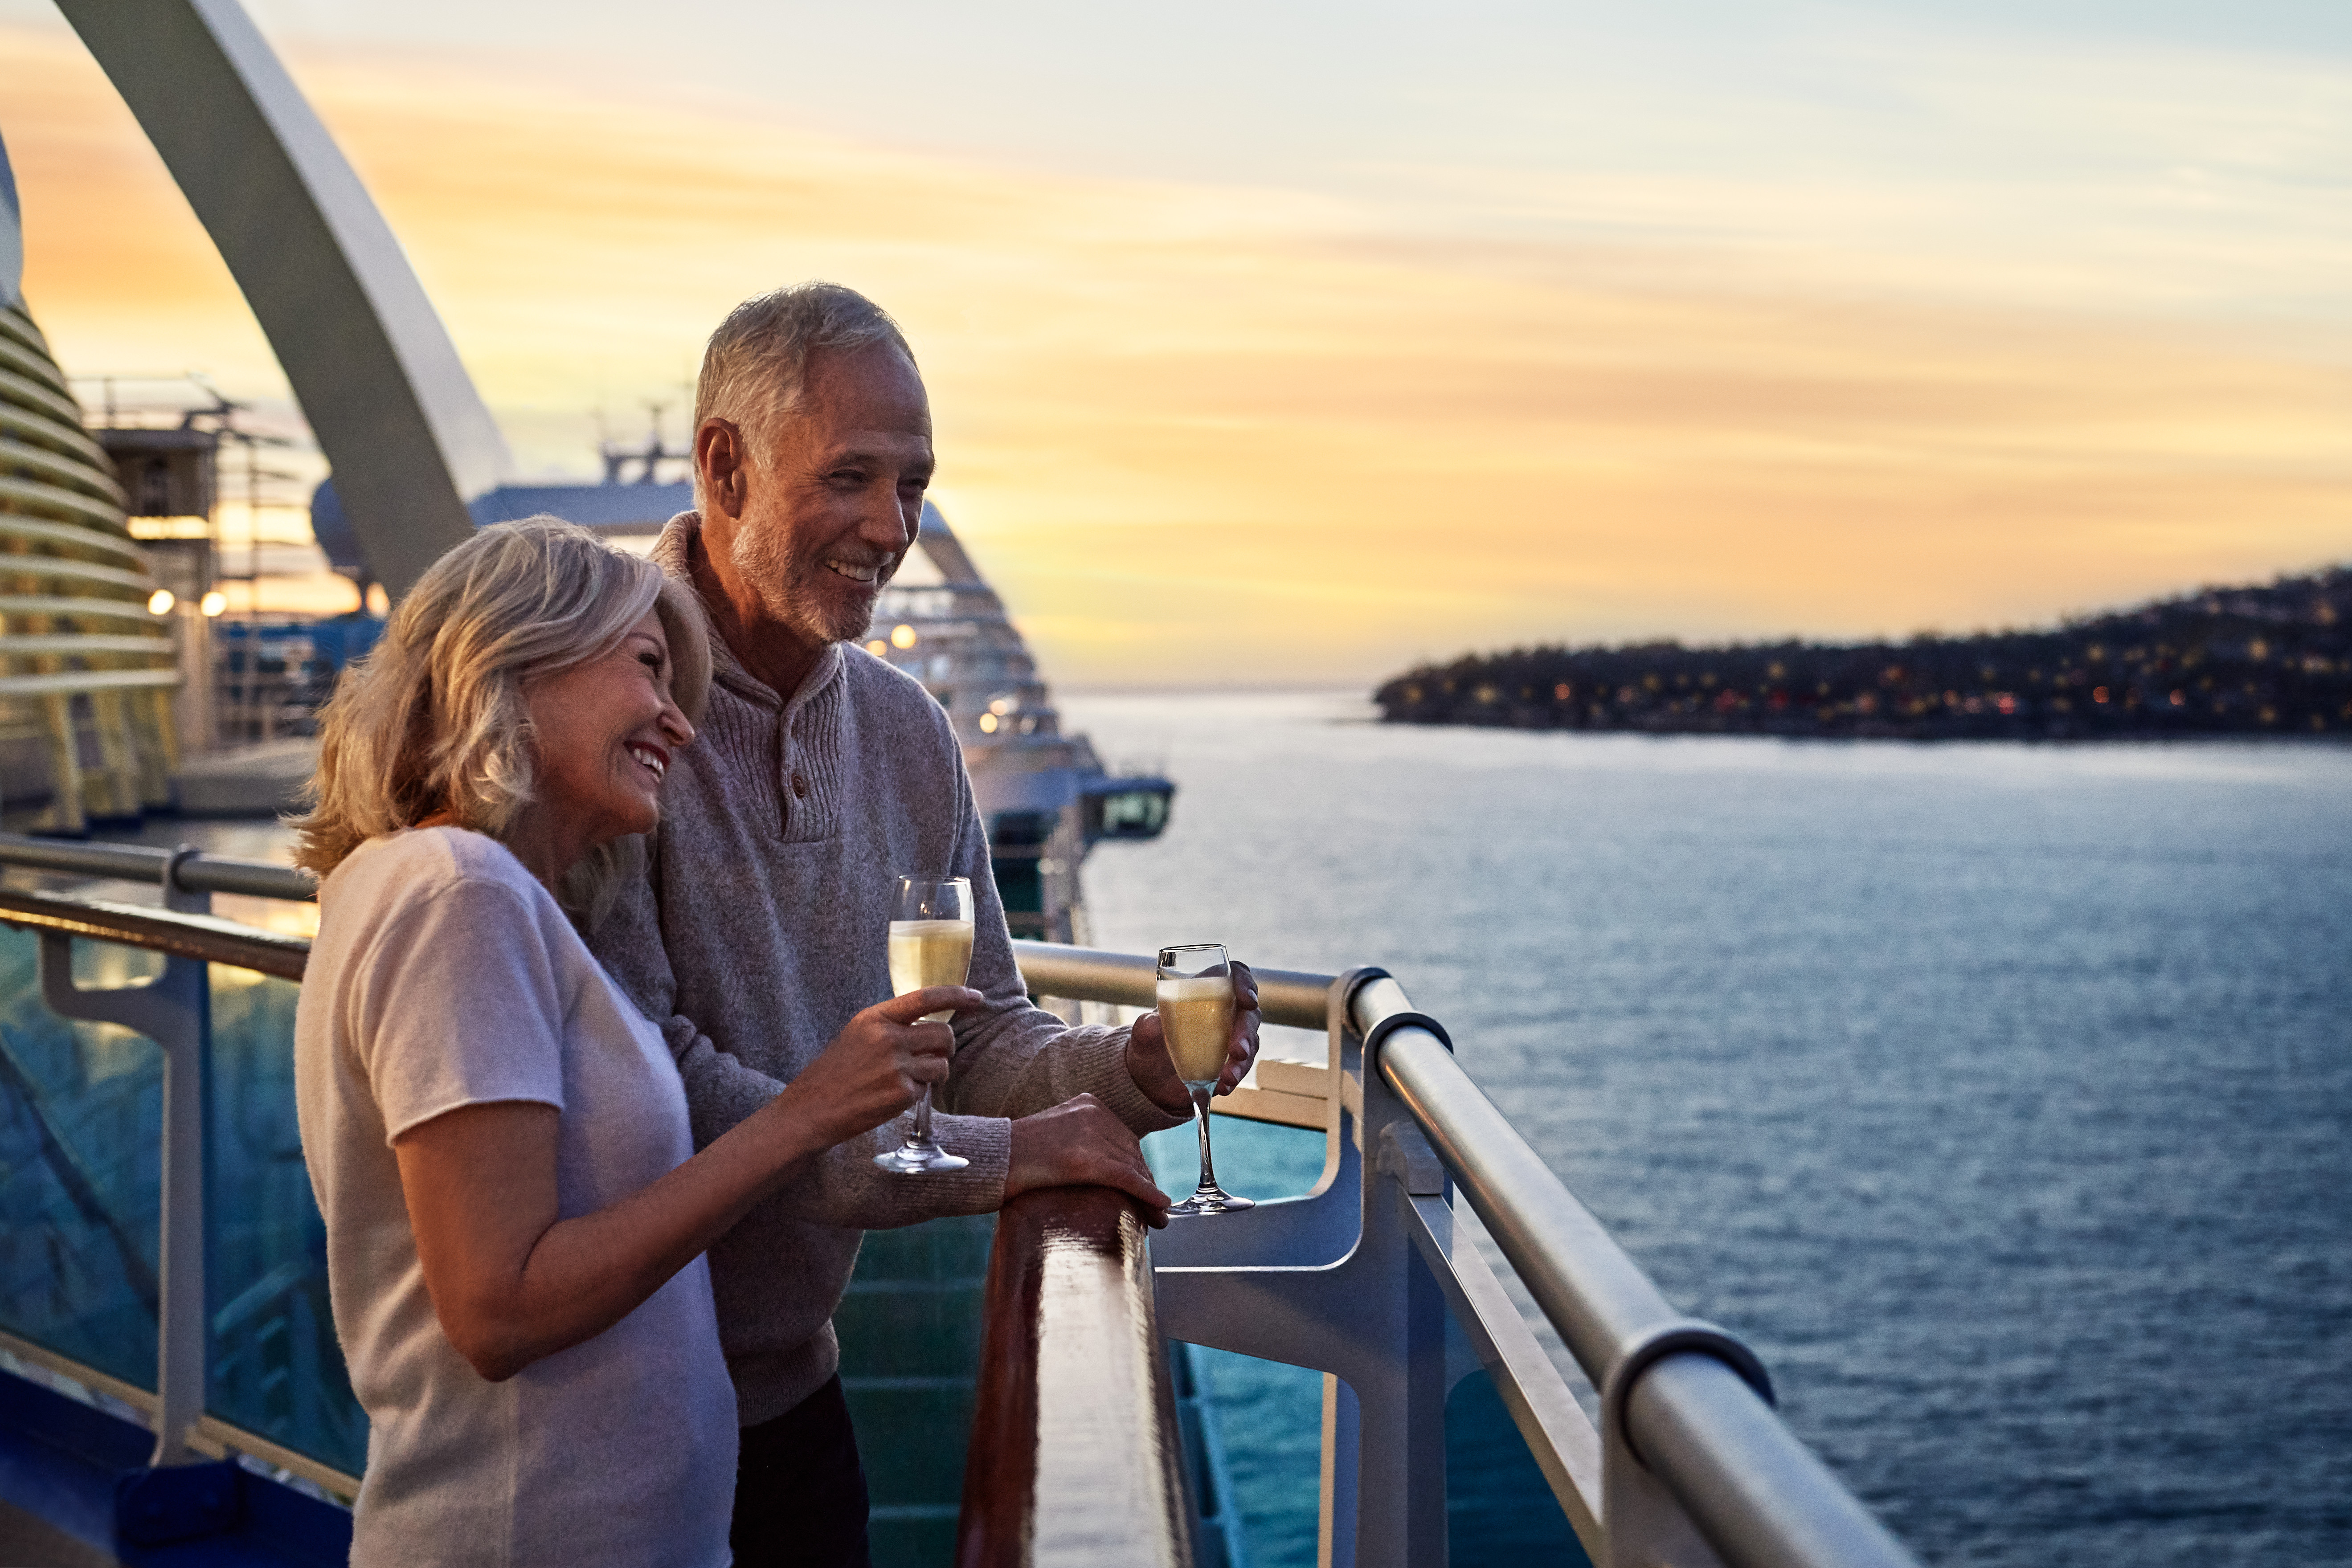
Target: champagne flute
column 1196, row 1017
column 930, row 945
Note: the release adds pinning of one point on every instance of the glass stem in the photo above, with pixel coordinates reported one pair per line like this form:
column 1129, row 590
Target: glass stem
column 1208, row 1170
column 923, row 1115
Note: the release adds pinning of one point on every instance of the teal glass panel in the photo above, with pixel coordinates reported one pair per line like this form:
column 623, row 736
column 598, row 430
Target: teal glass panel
column 277, row 1369
column 1020, row 885
column 81, row 1171
column 911, row 1328
column 1267, row 1416
column 1499, row 1509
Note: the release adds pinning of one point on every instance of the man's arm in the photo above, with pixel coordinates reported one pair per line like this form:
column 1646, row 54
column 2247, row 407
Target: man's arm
column 1079, row 1096
column 1014, row 1058
column 841, row 1187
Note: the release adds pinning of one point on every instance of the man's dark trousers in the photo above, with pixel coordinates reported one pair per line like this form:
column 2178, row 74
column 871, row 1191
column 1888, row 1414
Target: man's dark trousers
column 799, row 1492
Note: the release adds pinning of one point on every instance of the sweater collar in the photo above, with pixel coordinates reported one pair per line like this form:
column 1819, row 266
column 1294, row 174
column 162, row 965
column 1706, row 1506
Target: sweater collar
column 673, row 552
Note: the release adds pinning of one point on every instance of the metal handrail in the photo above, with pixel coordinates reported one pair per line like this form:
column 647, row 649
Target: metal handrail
column 1596, row 1296
column 1076, row 1457
column 1690, row 1414
column 1292, row 997
column 1689, row 1403
column 191, row 871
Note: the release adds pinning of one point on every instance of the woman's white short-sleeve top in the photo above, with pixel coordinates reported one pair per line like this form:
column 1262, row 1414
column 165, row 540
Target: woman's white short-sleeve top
column 443, row 975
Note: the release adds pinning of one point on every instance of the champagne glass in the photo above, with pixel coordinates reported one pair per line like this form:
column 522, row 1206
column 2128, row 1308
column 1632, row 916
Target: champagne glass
column 930, row 945
column 1196, row 1017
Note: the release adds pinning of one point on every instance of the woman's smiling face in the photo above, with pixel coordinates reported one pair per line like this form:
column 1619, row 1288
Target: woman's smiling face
column 602, row 736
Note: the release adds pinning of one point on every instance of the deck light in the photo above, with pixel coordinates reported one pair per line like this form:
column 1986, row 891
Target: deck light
column 988, row 723
column 160, row 603
column 877, row 647
column 212, row 603
column 902, row 636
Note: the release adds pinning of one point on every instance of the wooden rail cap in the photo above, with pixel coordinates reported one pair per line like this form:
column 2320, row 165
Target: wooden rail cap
column 1074, row 1458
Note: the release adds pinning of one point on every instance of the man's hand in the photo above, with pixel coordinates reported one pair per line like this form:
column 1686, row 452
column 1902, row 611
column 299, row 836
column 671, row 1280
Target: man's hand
column 1079, row 1142
column 1147, row 1050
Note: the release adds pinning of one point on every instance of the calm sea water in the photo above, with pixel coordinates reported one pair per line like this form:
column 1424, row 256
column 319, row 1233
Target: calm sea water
column 1999, row 1095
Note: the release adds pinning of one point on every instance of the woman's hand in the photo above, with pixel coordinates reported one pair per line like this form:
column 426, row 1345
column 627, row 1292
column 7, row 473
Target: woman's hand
column 879, row 1062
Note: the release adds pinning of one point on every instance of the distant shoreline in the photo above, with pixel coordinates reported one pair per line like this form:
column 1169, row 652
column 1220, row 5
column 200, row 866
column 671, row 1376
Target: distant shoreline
column 2333, row 739
column 2225, row 663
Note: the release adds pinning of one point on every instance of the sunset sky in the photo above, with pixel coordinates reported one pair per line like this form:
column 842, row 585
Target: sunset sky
column 1291, row 344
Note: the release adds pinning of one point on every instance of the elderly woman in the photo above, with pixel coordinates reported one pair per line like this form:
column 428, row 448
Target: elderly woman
column 514, row 1213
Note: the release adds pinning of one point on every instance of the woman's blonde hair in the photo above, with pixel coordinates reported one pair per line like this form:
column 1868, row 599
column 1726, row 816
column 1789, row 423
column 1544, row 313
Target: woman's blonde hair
column 433, row 719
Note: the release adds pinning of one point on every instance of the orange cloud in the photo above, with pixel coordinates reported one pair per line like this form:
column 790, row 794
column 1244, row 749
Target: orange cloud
column 1207, row 433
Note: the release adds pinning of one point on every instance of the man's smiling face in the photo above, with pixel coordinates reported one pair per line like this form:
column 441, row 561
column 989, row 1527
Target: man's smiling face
column 835, row 496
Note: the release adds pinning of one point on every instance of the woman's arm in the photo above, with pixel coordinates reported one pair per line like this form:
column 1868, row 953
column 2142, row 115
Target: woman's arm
column 512, row 1283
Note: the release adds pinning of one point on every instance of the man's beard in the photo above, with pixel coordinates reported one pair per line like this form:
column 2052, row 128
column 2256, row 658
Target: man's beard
column 783, row 578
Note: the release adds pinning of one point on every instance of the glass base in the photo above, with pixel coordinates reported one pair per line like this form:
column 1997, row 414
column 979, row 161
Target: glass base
column 1209, row 1200
column 912, row 1158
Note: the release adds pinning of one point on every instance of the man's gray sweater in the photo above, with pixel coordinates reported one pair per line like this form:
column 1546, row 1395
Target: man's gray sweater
column 760, row 928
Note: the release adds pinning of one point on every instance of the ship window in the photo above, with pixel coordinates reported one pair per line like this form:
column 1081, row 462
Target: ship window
column 1133, row 813
column 1020, row 828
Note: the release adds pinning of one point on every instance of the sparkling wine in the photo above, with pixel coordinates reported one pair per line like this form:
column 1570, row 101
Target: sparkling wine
column 932, row 953
column 1197, row 1016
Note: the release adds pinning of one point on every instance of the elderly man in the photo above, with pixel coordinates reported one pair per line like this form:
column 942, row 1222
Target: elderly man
column 821, row 773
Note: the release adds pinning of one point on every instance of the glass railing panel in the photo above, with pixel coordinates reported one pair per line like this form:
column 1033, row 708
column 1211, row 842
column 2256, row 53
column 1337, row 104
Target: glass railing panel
column 81, row 1107
column 910, row 1330
column 1499, row 1508
column 277, row 1369
column 1268, row 1416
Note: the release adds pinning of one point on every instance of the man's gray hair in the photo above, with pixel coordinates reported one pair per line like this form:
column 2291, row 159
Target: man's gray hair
column 757, row 361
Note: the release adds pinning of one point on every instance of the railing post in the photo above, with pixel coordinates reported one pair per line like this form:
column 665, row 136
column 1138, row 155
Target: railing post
column 175, row 1011
column 1372, row 1315
column 1400, row 1470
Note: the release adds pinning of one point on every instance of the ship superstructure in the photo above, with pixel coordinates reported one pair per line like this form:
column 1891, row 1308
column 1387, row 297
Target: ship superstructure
column 87, row 661
column 1045, row 796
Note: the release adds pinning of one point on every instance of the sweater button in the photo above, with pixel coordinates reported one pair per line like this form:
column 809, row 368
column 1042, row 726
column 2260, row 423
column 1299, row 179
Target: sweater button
column 800, row 786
